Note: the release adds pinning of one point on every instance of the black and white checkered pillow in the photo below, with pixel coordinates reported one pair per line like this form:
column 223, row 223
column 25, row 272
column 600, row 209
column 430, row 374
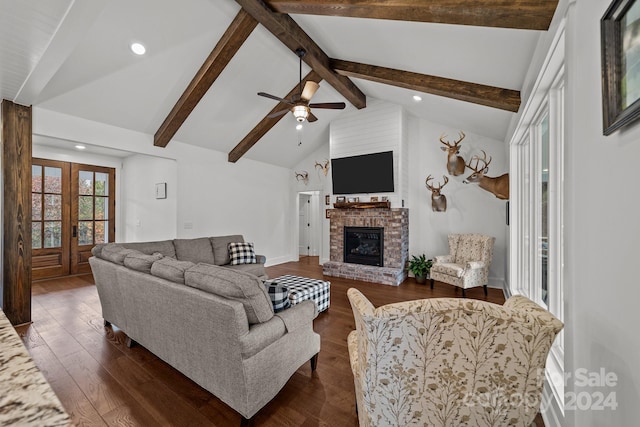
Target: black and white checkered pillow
column 279, row 296
column 241, row 253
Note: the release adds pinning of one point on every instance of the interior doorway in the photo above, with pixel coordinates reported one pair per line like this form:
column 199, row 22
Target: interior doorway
column 73, row 209
column 309, row 226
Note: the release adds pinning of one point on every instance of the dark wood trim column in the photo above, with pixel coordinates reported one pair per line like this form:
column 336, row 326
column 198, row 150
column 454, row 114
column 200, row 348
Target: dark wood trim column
column 16, row 180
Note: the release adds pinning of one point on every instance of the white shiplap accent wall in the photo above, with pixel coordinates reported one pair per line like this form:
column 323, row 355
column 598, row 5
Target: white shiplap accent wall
column 377, row 128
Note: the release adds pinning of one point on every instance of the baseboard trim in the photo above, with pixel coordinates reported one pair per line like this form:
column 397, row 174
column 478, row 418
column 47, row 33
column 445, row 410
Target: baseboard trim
column 279, row 260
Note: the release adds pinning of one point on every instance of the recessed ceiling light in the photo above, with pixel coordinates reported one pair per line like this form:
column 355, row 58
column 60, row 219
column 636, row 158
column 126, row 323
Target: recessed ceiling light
column 80, row 147
column 417, row 98
column 138, row 48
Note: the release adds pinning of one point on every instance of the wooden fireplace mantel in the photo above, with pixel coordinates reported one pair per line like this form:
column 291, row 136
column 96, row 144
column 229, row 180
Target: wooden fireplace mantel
column 362, row 205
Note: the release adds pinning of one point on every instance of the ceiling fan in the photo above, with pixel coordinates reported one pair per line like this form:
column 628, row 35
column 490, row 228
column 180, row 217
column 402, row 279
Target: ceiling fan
column 300, row 106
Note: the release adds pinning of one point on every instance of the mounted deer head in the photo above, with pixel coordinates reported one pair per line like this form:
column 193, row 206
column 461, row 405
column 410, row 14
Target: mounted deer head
column 455, row 163
column 302, row 176
column 324, row 166
column 499, row 186
column 438, row 200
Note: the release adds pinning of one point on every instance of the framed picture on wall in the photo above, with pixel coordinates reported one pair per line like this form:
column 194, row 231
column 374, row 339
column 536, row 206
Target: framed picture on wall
column 373, row 199
column 327, row 200
column 620, row 47
column 340, row 199
column 327, row 213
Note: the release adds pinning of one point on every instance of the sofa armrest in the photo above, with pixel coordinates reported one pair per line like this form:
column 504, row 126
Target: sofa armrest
column 299, row 315
column 261, row 259
column 261, row 335
column 474, row 265
column 443, row 259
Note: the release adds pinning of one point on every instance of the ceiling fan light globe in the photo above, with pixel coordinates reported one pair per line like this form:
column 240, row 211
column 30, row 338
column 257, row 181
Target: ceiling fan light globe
column 301, row 112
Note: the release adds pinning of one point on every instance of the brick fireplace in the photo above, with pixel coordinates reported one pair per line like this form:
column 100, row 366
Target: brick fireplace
column 395, row 232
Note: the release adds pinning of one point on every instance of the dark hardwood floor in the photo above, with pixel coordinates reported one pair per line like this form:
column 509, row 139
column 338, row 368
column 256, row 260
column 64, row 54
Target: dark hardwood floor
column 102, row 382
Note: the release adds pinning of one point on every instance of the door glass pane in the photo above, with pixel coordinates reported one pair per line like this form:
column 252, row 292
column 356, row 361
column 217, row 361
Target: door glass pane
column 102, row 184
column 52, row 206
column 101, row 231
column 85, row 233
column 36, row 179
column 36, row 207
column 102, row 208
column 52, row 180
column 52, row 234
column 36, row 235
column 85, row 207
column 544, row 208
column 85, row 182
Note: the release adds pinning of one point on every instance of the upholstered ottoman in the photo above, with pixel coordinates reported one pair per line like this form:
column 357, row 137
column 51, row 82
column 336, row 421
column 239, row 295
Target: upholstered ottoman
column 303, row 288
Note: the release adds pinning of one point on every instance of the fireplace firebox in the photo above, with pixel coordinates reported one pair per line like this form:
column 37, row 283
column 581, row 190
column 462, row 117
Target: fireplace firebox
column 364, row 245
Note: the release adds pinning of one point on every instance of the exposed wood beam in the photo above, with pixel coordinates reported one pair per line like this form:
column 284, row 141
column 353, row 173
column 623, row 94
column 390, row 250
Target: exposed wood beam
column 291, row 35
column 268, row 122
column 504, row 99
column 239, row 30
column 520, row 14
column 16, row 231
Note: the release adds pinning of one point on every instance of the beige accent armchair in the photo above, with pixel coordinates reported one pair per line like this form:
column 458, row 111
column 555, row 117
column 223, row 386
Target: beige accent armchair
column 449, row 361
column 467, row 264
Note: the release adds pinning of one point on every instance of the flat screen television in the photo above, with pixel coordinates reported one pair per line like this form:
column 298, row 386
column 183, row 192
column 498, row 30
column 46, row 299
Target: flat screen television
column 368, row 173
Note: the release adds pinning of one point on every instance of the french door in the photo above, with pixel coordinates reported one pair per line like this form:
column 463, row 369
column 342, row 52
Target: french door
column 73, row 210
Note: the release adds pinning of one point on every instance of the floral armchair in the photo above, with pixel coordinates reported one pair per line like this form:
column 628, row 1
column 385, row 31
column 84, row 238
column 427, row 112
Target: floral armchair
column 467, row 264
column 449, row 362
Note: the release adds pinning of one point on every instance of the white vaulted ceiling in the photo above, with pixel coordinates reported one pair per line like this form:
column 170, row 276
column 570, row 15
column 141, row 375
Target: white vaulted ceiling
column 73, row 57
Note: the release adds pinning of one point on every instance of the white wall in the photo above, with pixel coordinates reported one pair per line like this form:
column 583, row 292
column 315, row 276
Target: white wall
column 145, row 217
column 321, row 184
column 214, row 197
column 470, row 209
column 601, row 232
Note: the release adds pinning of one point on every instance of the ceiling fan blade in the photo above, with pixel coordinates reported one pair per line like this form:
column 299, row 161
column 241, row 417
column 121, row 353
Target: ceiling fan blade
column 309, row 90
column 266, row 95
column 329, row 105
column 311, row 118
column 278, row 113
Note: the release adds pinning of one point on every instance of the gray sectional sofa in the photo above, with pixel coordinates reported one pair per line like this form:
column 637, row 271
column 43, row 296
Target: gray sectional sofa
column 211, row 321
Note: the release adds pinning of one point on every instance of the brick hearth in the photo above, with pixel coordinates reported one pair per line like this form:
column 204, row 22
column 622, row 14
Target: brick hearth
column 396, row 245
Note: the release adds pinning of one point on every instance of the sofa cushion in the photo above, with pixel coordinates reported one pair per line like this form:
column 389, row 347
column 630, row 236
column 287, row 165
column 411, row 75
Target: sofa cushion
column 255, row 269
column 194, row 250
column 171, row 269
column 220, row 246
column 141, row 262
column 115, row 253
column 234, row 285
column 241, row 253
column 165, row 247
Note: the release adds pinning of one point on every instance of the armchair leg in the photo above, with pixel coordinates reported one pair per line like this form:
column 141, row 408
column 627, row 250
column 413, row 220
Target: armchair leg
column 431, row 280
column 130, row 343
column 246, row 422
column 485, row 291
column 314, row 362
column 464, row 293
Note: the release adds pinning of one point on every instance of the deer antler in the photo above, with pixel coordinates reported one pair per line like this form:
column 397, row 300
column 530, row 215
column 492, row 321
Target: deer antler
column 484, row 161
column 323, row 166
column 455, row 143
column 302, row 176
column 430, row 187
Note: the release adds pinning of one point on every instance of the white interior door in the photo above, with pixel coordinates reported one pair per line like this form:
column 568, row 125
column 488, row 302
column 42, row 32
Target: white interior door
column 304, row 223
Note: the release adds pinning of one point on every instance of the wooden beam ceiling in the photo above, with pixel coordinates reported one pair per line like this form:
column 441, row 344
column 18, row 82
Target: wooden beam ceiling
column 268, row 122
column 291, row 35
column 239, row 30
column 504, row 99
column 520, row 14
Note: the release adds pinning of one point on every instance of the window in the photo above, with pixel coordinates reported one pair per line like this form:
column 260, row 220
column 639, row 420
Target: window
column 536, row 234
